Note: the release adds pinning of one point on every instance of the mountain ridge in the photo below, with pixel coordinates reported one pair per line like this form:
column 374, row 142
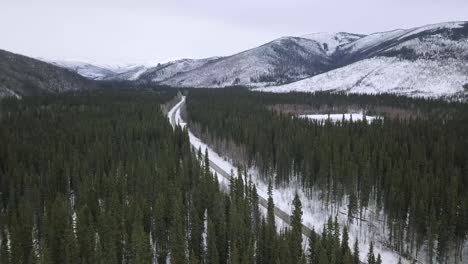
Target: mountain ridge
column 406, row 60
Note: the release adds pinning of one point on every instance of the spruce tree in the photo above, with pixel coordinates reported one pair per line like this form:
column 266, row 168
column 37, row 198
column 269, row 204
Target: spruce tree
column 370, row 255
column 379, row 259
column 270, row 239
column 177, row 233
column 356, row 252
column 345, row 241
column 296, row 231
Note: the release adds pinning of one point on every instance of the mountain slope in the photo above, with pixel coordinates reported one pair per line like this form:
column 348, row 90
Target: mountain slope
column 165, row 71
column 88, row 70
column 430, row 61
column 20, row 75
column 417, row 39
column 103, row 72
column 280, row 61
column 331, row 42
column 388, row 75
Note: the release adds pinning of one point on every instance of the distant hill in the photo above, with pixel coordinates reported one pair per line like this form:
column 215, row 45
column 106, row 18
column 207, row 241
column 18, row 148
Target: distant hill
column 20, row 75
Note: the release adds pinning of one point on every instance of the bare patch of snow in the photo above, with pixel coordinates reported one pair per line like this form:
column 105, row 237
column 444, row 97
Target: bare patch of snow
column 330, row 42
column 340, row 117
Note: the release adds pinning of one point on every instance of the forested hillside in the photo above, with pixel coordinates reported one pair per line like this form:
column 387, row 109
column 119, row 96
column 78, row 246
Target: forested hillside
column 102, row 177
column 413, row 169
column 22, row 76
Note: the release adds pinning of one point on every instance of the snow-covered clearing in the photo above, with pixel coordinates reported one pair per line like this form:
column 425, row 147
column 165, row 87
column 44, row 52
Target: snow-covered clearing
column 340, row 117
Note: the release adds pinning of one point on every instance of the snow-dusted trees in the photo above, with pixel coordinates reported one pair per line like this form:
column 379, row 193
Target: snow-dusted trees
column 327, row 247
column 295, row 243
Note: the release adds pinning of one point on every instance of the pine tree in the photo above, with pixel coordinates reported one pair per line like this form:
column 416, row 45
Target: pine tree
column 356, row 252
column 296, row 231
column 141, row 250
column 212, row 256
column 345, row 241
column 352, row 206
column 71, row 248
column 177, row 234
column 207, row 163
column 4, row 254
column 270, row 239
column 379, row 259
column 313, row 240
column 370, row 255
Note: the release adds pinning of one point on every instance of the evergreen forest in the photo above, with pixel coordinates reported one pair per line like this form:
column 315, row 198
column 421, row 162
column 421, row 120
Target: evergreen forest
column 411, row 164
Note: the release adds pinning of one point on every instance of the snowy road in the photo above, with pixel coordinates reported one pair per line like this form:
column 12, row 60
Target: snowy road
column 220, row 166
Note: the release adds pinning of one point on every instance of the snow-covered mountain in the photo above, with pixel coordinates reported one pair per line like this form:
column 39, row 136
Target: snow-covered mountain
column 280, row 61
column 130, row 72
column 85, row 69
column 424, row 61
column 429, row 61
column 163, row 72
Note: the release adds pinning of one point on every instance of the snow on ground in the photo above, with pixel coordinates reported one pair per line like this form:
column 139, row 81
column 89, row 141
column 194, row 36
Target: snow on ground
column 423, row 78
column 315, row 213
column 340, row 117
column 372, row 40
column 376, row 39
column 331, row 41
column 434, row 27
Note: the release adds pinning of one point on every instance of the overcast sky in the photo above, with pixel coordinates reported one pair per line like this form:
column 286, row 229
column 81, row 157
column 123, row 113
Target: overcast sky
column 119, row 31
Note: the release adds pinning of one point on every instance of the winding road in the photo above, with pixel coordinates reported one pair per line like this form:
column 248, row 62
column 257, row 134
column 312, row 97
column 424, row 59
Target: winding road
column 285, row 217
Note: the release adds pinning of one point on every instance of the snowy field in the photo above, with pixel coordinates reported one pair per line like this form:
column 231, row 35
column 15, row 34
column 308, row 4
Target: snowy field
column 340, row 117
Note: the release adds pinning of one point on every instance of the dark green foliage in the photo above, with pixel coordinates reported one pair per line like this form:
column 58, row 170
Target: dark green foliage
column 328, row 248
column 379, row 260
column 370, row 255
column 356, row 252
column 296, row 231
column 102, row 177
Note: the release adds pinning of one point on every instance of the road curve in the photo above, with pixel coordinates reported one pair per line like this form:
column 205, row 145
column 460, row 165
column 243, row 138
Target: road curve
column 285, row 217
